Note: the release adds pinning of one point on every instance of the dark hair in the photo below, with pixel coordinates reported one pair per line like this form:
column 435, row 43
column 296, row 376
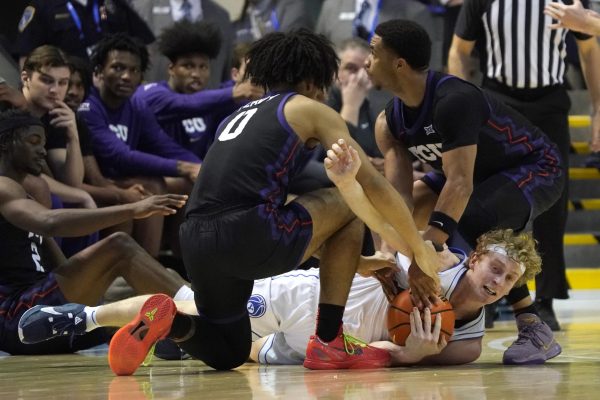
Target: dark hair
column 286, row 59
column 82, row 67
column 185, row 37
column 45, row 56
column 121, row 42
column 408, row 40
column 239, row 53
column 13, row 121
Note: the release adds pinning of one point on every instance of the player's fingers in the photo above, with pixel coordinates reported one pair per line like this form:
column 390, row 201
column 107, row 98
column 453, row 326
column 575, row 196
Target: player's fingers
column 337, row 148
column 416, row 319
column 435, row 300
column 354, row 154
column 427, row 320
column 437, row 327
column 332, row 156
column 168, row 211
column 415, row 296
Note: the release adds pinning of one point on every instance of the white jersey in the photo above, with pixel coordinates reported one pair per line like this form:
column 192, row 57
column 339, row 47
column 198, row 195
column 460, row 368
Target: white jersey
column 284, row 308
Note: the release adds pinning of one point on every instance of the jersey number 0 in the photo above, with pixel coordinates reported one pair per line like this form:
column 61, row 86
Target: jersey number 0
column 229, row 132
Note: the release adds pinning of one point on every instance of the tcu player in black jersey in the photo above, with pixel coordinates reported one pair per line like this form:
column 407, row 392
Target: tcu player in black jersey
column 240, row 227
column 33, row 270
column 492, row 168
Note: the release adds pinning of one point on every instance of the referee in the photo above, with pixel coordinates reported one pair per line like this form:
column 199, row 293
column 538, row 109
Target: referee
column 523, row 62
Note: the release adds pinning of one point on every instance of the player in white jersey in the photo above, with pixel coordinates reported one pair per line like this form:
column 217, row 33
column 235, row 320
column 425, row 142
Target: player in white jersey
column 281, row 308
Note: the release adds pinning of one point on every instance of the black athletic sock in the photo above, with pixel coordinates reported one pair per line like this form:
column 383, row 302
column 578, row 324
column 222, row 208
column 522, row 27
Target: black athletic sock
column 329, row 320
column 181, row 326
column 529, row 309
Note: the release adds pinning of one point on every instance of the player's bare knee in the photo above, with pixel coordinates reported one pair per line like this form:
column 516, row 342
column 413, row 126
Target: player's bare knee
column 122, row 243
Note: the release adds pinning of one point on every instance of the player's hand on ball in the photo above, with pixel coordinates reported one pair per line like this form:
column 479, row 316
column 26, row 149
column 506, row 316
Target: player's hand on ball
column 424, row 289
column 424, row 339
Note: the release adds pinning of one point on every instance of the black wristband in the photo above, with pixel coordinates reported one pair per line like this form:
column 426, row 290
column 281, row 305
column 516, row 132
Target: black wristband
column 443, row 222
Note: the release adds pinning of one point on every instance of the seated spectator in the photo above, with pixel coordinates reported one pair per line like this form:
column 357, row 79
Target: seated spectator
column 349, row 97
column 183, row 108
column 33, row 270
column 128, row 143
column 160, row 14
column 103, row 190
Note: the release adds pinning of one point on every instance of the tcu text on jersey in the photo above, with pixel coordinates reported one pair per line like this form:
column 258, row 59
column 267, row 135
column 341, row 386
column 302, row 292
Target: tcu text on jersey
column 427, row 152
column 194, row 125
column 120, row 130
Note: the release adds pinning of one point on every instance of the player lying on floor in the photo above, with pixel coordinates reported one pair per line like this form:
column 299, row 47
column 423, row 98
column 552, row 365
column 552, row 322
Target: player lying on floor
column 282, row 308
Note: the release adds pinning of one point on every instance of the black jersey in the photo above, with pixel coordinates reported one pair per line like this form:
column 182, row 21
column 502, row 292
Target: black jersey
column 455, row 113
column 22, row 262
column 253, row 159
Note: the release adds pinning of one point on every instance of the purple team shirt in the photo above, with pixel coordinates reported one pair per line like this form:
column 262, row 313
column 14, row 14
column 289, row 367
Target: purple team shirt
column 190, row 119
column 128, row 141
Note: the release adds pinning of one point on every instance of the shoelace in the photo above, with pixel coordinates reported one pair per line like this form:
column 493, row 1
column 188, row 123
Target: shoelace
column 350, row 343
column 529, row 332
column 148, row 360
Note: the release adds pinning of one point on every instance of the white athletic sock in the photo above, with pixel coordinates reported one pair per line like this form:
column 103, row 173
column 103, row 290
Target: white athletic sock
column 90, row 318
column 184, row 293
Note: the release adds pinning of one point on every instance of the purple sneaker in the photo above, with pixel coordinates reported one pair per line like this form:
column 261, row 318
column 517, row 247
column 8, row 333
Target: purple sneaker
column 535, row 343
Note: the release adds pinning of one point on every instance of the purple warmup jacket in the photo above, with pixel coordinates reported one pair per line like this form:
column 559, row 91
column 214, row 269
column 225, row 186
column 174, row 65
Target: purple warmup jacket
column 190, row 119
column 128, row 141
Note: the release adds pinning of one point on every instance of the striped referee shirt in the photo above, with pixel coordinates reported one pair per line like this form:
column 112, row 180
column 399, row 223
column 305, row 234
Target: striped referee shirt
column 519, row 50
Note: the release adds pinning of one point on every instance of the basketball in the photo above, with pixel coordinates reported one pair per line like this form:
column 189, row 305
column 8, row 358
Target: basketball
column 398, row 318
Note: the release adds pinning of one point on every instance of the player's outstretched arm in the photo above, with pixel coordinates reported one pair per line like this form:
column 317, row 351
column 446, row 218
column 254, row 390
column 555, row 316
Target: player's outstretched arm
column 341, row 164
column 327, row 127
column 28, row 214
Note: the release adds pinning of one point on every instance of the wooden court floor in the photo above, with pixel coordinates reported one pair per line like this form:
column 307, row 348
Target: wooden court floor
column 575, row 374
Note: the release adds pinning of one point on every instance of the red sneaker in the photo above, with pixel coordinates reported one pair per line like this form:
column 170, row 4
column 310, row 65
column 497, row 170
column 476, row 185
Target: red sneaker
column 130, row 345
column 344, row 352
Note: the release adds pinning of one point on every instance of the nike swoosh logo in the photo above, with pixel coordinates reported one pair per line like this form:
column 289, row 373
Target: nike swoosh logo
column 440, row 223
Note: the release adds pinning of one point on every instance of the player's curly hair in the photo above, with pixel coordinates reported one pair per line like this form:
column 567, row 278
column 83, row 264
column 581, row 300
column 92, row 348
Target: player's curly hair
column 10, row 135
column 408, row 40
column 122, row 42
column 287, row 59
column 521, row 247
column 185, row 37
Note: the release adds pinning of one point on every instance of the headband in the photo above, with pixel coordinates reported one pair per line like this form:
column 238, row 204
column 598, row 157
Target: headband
column 501, row 249
column 18, row 121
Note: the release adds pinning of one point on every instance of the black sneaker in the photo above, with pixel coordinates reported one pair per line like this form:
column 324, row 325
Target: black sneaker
column 167, row 349
column 41, row 323
column 546, row 313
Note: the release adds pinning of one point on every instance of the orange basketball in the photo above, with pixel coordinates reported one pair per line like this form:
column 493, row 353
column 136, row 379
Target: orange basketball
column 398, row 318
